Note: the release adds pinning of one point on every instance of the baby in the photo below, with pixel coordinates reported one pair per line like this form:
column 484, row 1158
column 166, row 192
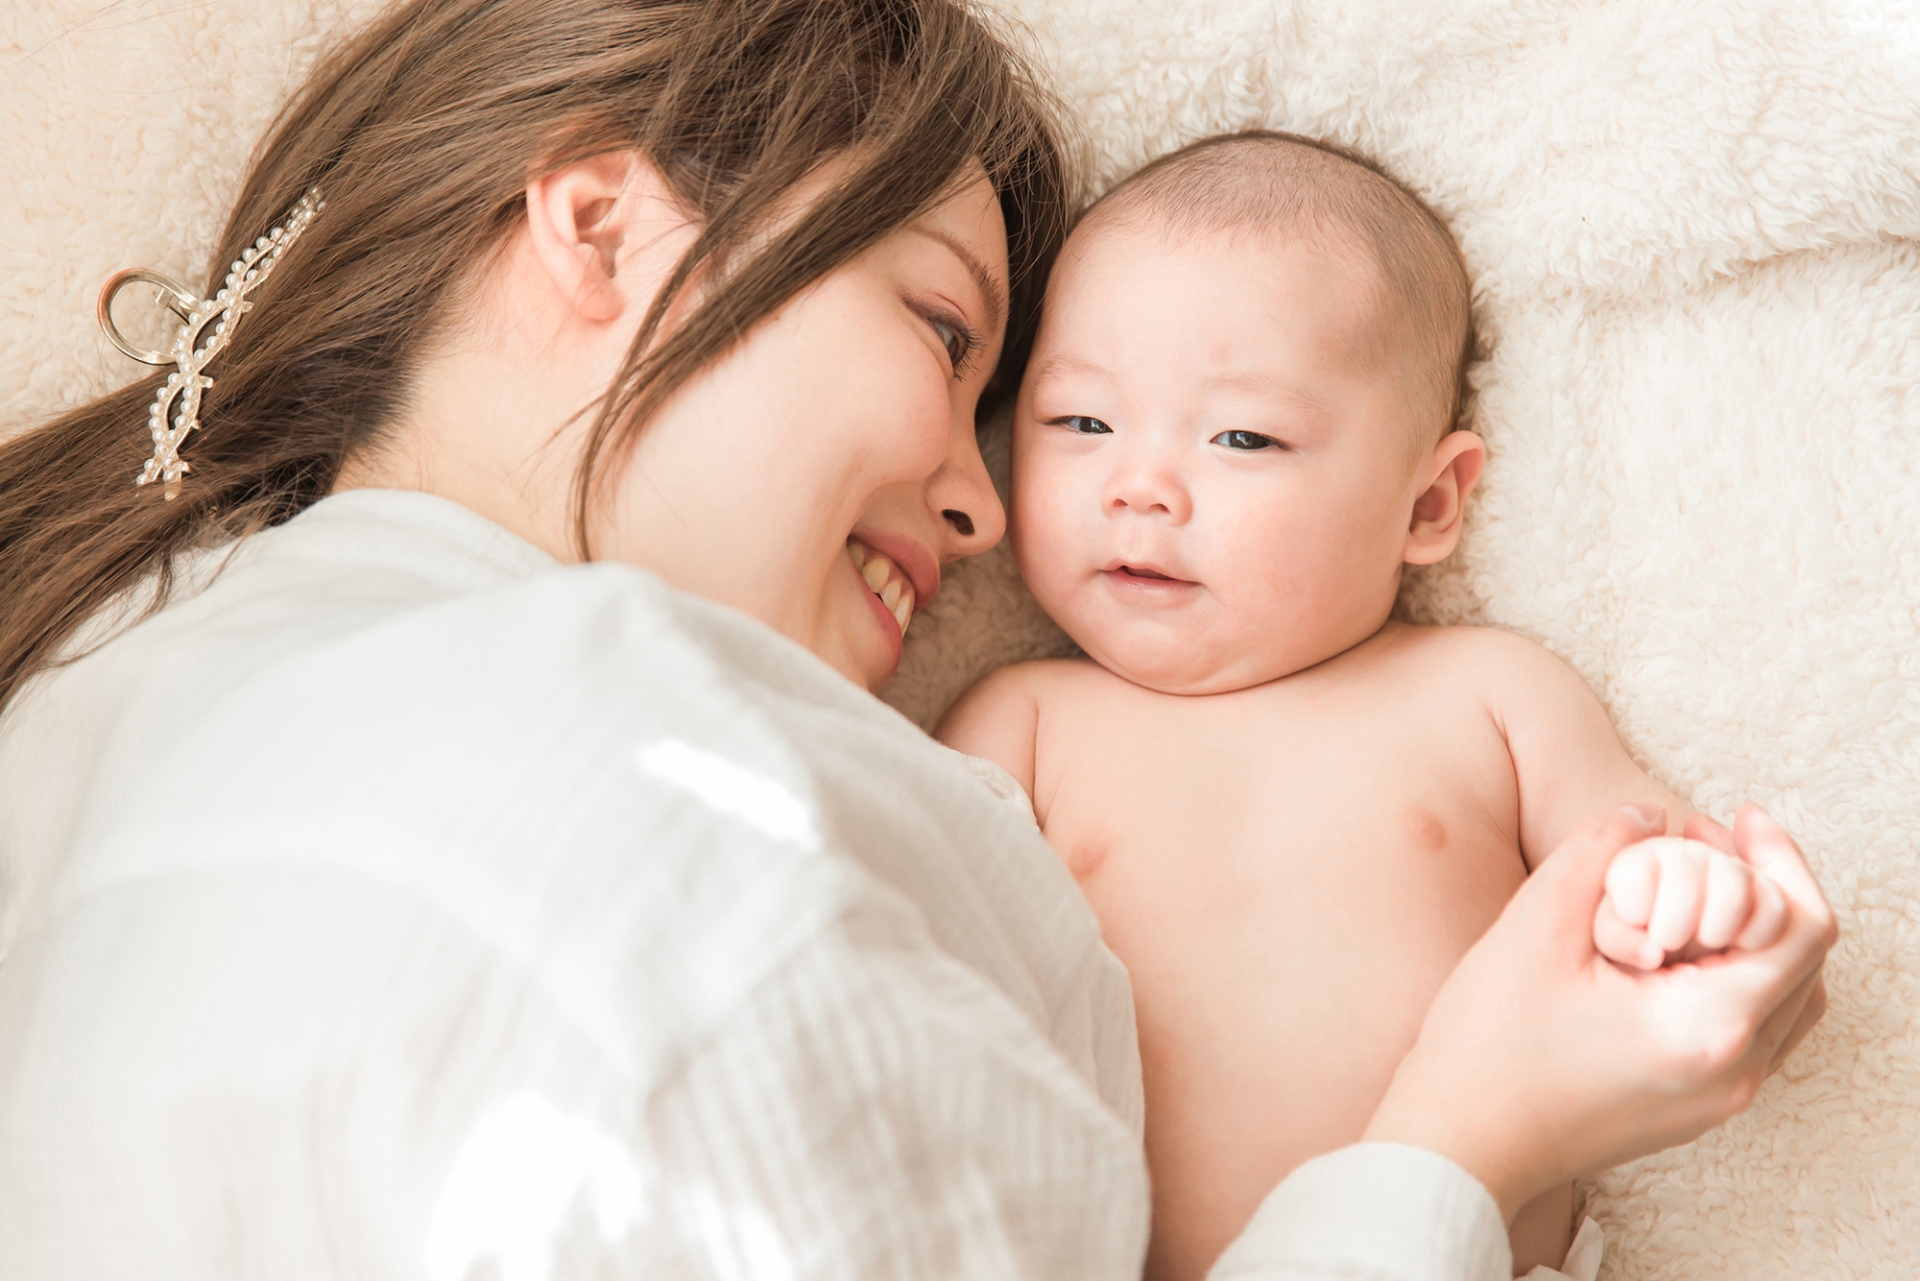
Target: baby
column 1292, row 815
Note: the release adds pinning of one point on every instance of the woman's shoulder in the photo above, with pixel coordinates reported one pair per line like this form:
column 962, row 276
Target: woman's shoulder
column 355, row 682
column 552, row 767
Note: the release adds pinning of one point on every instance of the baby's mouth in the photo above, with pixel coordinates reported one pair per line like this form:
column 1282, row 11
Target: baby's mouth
column 1144, row 574
column 884, row 579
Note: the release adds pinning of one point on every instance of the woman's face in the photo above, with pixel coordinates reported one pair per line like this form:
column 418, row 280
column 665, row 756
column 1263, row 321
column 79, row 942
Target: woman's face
column 820, row 475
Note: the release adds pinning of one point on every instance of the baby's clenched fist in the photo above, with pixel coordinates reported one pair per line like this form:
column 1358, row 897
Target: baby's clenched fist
column 1671, row 899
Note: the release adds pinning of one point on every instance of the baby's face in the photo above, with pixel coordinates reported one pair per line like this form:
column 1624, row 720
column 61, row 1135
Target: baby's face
column 1213, row 473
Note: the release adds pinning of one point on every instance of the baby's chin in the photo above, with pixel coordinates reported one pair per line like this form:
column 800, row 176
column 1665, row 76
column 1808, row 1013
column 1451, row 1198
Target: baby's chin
column 1190, row 673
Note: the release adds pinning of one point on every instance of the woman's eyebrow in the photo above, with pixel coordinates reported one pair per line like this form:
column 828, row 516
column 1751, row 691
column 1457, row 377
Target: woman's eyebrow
column 992, row 292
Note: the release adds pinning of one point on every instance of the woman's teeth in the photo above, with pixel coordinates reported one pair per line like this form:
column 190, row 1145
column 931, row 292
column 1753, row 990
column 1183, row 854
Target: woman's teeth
column 885, row 580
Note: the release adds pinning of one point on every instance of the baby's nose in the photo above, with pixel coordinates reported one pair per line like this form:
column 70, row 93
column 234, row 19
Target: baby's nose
column 1148, row 491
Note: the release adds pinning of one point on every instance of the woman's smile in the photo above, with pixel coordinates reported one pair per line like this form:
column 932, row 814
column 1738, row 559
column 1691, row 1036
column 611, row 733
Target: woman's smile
column 887, row 584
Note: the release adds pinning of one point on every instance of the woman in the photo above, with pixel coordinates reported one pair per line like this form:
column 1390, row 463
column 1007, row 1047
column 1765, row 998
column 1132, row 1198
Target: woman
column 493, row 859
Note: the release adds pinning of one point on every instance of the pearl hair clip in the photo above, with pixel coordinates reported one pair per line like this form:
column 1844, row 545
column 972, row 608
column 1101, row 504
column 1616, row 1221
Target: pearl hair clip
column 176, row 409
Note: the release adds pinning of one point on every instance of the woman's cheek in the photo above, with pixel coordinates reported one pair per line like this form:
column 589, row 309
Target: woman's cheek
column 896, row 426
column 928, row 394
column 893, row 401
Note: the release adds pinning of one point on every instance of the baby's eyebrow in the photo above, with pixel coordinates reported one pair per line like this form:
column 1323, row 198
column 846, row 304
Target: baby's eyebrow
column 1065, row 363
column 1266, row 387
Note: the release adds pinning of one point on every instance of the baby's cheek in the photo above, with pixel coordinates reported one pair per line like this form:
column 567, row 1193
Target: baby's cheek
column 1045, row 513
column 1044, row 564
column 1054, row 565
column 1285, row 614
column 1272, row 595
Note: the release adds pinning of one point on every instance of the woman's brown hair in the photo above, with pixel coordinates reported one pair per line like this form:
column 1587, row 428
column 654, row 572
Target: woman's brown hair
column 422, row 132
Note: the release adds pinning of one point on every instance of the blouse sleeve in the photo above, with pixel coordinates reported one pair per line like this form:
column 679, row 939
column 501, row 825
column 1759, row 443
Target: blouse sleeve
column 1373, row 1212
column 874, row 1113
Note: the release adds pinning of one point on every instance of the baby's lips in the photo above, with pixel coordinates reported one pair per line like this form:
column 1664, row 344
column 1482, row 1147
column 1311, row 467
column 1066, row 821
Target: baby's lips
column 1146, row 570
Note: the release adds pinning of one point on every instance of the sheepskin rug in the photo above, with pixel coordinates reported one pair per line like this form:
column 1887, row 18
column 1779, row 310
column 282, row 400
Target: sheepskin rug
column 1692, row 230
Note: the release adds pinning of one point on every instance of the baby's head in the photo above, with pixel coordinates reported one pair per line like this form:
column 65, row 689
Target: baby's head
column 1238, row 421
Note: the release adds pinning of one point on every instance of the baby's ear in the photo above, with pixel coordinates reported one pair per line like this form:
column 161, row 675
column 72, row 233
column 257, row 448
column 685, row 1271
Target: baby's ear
column 1450, row 472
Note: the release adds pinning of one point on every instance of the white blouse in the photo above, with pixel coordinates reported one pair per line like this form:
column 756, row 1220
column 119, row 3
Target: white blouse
column 403, row 904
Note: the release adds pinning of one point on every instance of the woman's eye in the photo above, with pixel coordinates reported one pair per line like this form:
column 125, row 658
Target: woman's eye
column 1246, row 440
column 1082, row 425
column 957, row 339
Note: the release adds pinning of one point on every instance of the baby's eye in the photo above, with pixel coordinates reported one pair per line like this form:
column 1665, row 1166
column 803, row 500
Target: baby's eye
column 1246, row 440
column 1082, row 425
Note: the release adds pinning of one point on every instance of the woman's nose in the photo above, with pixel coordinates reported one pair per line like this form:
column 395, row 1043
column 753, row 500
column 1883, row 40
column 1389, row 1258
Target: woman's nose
column 963, row 494
column 1147, row 487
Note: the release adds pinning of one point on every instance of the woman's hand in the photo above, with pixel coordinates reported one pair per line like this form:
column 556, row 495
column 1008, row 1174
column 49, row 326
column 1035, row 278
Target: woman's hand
column 1541, row 1061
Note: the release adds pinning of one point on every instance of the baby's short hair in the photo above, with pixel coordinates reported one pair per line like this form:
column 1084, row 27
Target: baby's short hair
column 1267, row 181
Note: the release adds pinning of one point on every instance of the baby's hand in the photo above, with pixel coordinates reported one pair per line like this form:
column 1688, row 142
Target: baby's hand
column 1676, row 899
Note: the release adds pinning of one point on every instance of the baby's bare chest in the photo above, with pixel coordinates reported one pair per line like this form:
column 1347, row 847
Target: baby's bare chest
column 1310, row 813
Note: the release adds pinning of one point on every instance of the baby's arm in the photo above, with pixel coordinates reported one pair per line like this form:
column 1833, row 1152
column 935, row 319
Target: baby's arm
column 998, row 719
column 1666, row 898
column 1568, row 762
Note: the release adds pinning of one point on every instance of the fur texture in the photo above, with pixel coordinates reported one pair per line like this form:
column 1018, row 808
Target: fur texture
column 1692, row 230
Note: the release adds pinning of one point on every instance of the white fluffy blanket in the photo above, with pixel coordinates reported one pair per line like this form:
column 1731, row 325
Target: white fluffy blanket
column 1692, row 229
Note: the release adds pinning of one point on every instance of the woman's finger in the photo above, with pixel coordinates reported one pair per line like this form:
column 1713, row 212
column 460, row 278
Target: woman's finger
column 1559, row 900
column 1772, row 1041
column 1765, row 845
column 1810, row 1011
column 1775, row 1037
column 1768, row 918
column 1703, row 829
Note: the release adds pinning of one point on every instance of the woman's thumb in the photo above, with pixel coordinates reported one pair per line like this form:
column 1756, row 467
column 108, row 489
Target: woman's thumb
column 1572, row 880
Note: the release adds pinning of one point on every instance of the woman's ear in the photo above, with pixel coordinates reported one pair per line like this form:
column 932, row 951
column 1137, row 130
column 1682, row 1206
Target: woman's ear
column 586, row 222
column 1451, row 471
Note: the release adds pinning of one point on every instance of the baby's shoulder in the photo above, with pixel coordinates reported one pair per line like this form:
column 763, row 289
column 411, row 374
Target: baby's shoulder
column 1040, row 676
column 1465, row 643
column 1496, row 663
column 1023, row 687
column 999, row 717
